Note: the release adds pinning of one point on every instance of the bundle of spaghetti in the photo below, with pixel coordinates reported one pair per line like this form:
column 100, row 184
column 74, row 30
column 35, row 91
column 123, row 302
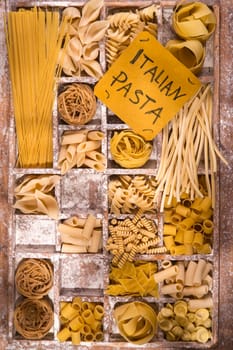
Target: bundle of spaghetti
column 34, row 38
column 188, row 140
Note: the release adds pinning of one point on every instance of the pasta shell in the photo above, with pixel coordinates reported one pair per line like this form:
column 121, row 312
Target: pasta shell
column 74, row 49
column 94, row 32
column 90, row 12
column 71, row 12
column 92, row 68
column 91, row 51
column 66, row 63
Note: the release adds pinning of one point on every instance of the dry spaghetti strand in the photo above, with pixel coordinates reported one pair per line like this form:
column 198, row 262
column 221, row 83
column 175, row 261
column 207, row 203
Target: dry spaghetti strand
column 34, row 39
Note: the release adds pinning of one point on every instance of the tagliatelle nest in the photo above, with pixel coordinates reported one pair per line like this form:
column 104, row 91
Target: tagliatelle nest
column 34, row 278
column 77, row 104
column 33, row 318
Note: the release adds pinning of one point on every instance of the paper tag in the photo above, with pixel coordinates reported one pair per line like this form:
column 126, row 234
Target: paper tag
column 146, row 86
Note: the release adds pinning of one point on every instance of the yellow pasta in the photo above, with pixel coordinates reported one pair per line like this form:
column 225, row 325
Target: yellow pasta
column 180, row 323
column 129, row 150
column 136, row 321
column 35, row 195
column 133, row 279
column 197, row 278
column 169, row 230
column 186, row 140
column 63, row 334
column 172, row 288
column 198, row 292
column 193, row 20
column 192, row 234
column 85, row 31
column 190, row 273
column 169, row 242
column 33, row 57
column 75, row 338
column 195, row 304
column 84, row 321
column 180, row 277
column 164, row 274
column 81, row 148
column 80, row 235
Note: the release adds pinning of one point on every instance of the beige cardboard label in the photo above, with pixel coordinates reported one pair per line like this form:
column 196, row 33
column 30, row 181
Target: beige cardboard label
column 146, row 86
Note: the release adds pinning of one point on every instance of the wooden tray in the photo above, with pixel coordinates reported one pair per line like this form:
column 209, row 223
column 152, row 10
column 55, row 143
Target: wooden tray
column 37, row 236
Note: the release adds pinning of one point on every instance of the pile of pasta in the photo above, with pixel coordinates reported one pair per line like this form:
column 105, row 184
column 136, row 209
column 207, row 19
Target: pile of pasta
column 187, row 140
column 185, row 278
column 85, row 32
column 124, row 27
column 133, row 279
column 81, row 235
column 33, row 318
column 194, row 23
column 77, row 104
column 131, row 236
column 35, row 195
column 34, row 278
column 81, row 148
column 136, row 321
column 187, row 321
column 33, row 314
column 33, row 56
column 129, row 149
column 80, row 321
column 188, row 226
column 127, row 193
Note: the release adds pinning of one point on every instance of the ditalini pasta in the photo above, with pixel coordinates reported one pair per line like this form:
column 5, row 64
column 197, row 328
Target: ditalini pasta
column 33, row 56
column 188, row 230
column 80, row 321
column 80, row 235
column 81, row 148
column 180, row 321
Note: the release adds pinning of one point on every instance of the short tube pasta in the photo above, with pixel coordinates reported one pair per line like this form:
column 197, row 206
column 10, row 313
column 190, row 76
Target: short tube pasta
column 195, row 304
column 190, row 273
column 164, row 274
column 197, row 278
column 83, row 325
column 171, row 288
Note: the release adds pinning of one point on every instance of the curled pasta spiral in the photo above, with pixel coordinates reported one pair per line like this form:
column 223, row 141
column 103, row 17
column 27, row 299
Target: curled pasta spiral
column 77, row 104
column 33, row 318
column 123, row 28
column 34, row 278
column 130, row 150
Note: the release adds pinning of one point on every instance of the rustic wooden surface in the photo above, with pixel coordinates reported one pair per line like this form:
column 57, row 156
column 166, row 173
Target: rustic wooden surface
column 225, row 176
